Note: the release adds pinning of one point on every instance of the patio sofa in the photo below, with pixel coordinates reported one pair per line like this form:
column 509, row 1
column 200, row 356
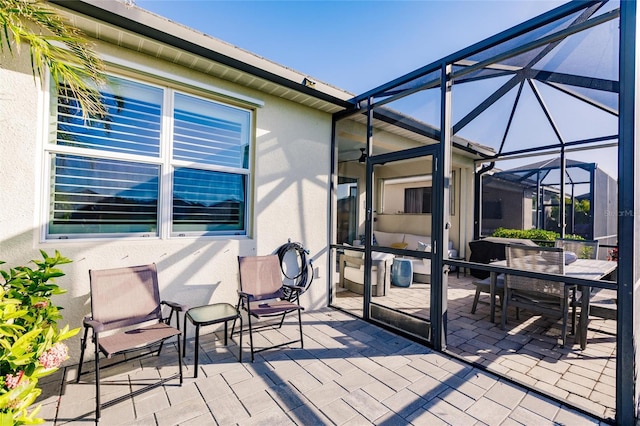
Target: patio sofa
column 352, row 262
column 421, row 267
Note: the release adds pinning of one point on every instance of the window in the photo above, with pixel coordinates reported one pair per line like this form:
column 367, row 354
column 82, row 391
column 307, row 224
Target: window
column 159, row 163
column 417, row 200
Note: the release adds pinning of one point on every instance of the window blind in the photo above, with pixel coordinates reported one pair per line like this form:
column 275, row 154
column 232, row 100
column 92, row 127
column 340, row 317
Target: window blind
column 210, row 133
column 131, row 123
column 91, row 195
column 207, row 201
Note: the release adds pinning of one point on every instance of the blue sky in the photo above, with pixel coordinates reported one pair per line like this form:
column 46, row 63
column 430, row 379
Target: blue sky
column 353, row 45
column 359, row 45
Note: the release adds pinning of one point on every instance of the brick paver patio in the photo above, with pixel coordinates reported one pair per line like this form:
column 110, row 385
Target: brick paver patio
column 349, row 373
column 527, row 351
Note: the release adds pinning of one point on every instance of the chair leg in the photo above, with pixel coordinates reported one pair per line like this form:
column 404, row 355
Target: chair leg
column 565, row 317
column 83, row 346
column 180, row 350
column 573, row 311
column 475, row 300
column 251, row 337
column 282, row 320
column 504, row 309
column 97, row 368
column 233, row 327
column 240, row 343
column 300, row 325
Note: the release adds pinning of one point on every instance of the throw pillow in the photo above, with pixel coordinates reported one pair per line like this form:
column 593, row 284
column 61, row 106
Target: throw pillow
column 569, row 257
column 399, row 245
column 423, row 246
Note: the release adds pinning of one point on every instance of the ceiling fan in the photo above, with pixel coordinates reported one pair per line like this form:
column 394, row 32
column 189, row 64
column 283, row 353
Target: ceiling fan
column 361, row 159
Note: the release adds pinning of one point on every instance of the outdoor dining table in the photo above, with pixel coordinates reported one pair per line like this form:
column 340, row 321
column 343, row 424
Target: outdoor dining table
column 588, row 269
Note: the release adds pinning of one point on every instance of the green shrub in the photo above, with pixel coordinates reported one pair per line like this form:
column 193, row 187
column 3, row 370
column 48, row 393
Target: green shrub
column 30, row 342
column 531, row 234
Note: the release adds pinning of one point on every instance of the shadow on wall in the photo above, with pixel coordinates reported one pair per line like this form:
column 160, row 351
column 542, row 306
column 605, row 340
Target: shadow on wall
column 196, row 273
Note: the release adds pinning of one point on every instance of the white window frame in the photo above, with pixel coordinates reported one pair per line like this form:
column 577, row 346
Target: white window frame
column 164, row 160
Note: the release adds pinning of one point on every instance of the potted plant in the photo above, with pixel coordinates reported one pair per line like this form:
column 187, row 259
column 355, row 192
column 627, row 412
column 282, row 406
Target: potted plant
column 30, row 342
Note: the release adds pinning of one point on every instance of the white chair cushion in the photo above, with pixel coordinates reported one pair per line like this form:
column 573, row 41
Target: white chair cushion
column 357, row 275
column 353, row 253
column 421, row 266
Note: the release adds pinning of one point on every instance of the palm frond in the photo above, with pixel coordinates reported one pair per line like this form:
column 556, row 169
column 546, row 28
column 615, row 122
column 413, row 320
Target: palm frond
column 54, row 45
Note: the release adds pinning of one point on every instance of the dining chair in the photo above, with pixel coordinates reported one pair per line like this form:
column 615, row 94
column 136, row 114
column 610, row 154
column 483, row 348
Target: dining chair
column 549, row 298
column 583, row 249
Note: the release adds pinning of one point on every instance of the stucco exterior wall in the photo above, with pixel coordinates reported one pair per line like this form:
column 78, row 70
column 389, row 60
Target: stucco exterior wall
column 289, row 198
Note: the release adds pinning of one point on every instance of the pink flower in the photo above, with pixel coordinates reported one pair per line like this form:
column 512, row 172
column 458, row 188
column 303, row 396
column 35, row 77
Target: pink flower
column 41, row 305
column 54, row 356
column 12, row 381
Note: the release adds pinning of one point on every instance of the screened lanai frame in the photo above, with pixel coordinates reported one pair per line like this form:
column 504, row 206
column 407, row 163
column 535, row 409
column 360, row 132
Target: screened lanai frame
column 498, row 56
column 584, row 182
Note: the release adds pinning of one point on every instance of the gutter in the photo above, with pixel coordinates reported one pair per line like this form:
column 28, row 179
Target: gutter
column 477, row 188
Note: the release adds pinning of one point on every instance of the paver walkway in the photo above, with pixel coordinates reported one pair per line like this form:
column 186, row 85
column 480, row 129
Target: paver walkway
column 349, row 373
column 527, row 351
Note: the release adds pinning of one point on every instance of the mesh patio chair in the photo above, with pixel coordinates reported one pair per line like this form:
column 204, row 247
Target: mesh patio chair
column 583, row 249
column 486, row 251
column 262, row 295
column 548, row 298
column 126, row 317
column 484, row 286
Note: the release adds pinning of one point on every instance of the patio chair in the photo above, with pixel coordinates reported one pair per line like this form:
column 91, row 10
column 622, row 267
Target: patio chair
column 549, row 298
column 484, row 286
column 486, row 251
column 583, row 249
column 126, row 317
column 262, row 295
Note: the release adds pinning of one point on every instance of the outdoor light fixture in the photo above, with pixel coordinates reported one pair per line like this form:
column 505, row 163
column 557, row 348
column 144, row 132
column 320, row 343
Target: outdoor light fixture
column 363, row 156
column 308, row 82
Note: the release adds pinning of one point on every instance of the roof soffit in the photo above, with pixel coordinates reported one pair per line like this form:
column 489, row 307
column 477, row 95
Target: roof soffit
column 328, row 99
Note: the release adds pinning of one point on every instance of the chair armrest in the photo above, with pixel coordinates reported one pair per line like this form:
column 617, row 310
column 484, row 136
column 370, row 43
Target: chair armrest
column 174, row 305
column 245, row 297
column 341, row 263
column 96, row 326
column 293, row 287
column 351, row 259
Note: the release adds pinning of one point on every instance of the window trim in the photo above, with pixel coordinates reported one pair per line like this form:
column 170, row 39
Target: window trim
column 170, row 87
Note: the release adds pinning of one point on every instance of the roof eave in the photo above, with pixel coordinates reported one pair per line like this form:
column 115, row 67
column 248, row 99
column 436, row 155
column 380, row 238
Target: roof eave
column 147, row 24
